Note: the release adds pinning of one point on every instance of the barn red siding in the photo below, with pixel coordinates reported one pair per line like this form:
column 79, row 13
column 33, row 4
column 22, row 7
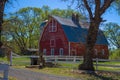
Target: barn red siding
column 76, row 49
column 60, row 40
column 102, row 50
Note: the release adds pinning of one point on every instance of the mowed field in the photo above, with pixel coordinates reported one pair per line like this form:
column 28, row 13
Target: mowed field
column 69, row 69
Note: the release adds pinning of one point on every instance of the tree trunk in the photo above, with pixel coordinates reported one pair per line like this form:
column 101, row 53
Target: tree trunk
column 90, row 43
column 2, row 5
column 41, row 60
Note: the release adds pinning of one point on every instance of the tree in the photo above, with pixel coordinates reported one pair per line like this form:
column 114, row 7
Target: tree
column 112, row 32
column 94, row 10
column 2, row 6
column 117, row 6
column 22, row 27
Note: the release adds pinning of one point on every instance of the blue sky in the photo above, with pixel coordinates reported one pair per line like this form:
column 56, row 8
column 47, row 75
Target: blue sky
column 110, row 16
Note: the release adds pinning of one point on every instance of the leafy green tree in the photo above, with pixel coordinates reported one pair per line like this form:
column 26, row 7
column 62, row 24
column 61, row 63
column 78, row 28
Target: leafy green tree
column 112, row 32
column 93, row 9
column 117, row 6
column 115, row 54
column 23, row 28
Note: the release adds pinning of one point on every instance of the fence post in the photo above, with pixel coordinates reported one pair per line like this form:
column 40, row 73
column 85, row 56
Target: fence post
column 11, row 58
column 55, row 59
column 74, row 60
column 96, row 63
column 5, row 68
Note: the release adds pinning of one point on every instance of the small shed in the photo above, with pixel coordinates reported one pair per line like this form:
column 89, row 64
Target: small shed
column 32, row 51
column 34, row 60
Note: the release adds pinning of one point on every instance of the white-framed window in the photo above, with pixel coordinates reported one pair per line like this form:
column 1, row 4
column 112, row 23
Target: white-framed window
column 44, row 51
column 52, row 42
column 73, row 52
column 53, row 26
column 52, row 51
column 103, row 51
column 96, row 52
column 61, row 51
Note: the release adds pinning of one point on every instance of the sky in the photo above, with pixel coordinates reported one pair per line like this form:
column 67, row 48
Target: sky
column 110, row 16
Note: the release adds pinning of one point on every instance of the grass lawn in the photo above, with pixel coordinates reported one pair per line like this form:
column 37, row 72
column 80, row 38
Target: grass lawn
column 83, row 76
column 67, row 69
column 18, row 61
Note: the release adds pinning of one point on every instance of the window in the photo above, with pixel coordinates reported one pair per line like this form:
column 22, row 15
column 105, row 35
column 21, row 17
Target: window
column 103, row 52
column 52, row 42
column 52, row 51
column 53, row 26
column 95, row 51
column 61, row 51
column 44, row 51
column 73, row 52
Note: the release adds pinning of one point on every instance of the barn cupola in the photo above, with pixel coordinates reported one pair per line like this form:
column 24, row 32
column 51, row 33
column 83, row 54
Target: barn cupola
column 75, row 18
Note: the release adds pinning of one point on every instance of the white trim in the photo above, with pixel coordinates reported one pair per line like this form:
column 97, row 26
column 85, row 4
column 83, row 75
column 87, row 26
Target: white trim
column 61, row 51
column 44, row 51
column 53, row 43
column 52, row 51
column 96, row 52
column 75, row 52
column 53, row 26
column 103, row 51
column 69, row 48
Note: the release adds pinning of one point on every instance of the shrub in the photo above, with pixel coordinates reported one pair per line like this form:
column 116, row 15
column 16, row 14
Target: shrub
column 115, row 54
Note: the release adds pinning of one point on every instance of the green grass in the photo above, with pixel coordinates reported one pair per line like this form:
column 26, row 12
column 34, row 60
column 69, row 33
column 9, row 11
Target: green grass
column 83, row 76
column 20, row 61
column 67, row 69
column 23, row 61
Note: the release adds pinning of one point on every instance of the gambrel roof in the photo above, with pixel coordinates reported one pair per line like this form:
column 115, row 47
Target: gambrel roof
column 78, row 33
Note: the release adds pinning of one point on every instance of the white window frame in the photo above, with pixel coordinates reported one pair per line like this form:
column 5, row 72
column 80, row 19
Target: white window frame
column 44, row 51
column 53, row 26
column 61, row 51
column 103, row 51
column 96, row 52
column 52, row 51
column 51, row 42
column 75, row 52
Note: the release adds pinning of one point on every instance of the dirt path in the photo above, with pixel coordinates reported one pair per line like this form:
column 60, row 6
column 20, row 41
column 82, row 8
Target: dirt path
column 21, row 74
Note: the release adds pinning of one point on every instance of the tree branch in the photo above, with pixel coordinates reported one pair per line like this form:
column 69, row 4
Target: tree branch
column 88, row 9
column 97, row 7
column 106, row 4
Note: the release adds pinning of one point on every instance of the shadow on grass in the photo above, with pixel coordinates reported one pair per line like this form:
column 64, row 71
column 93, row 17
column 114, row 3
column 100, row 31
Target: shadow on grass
column 102, row 77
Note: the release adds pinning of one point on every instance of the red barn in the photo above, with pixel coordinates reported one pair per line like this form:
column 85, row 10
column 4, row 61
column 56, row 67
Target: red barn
column 67, row 37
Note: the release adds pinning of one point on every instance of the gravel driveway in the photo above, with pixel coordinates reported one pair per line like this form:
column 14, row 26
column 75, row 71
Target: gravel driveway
column 22, row 74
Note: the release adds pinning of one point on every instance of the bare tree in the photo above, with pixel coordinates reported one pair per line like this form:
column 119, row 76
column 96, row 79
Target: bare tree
column 94, row 9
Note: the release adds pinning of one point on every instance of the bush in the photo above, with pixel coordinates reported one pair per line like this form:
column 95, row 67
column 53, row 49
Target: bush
column 2, row 53
column 115, row 54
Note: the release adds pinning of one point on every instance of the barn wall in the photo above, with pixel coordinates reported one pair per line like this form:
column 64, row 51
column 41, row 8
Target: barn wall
column 76, row 49
column 100, row 51
column 60, row 40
